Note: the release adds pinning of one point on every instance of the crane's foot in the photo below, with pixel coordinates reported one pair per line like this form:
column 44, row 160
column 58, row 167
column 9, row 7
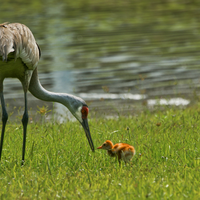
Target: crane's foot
column 22, row 163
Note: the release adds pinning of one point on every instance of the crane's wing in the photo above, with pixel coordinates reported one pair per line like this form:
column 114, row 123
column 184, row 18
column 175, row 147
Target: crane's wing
column 19, row 39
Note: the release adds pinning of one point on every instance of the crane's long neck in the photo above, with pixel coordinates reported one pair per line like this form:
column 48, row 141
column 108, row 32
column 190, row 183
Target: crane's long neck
column 39, row 92
column 72, row 102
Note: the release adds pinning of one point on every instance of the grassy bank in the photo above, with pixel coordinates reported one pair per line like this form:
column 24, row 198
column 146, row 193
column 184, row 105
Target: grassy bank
column 60, row 165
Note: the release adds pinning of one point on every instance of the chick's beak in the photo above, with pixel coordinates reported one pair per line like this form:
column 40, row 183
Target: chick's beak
column 87, row 132
column 99, row 147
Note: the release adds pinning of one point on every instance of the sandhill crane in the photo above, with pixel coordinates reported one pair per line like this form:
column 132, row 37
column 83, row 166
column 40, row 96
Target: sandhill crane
column 20, row 56
column 122, row 151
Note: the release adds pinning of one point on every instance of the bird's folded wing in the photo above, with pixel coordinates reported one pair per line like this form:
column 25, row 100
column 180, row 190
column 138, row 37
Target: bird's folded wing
column 19, row 39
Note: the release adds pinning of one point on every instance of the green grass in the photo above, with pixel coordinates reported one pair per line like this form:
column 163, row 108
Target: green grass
column 60, row 165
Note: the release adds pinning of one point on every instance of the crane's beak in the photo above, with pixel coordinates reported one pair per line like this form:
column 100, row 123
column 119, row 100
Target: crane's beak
column 87, row 132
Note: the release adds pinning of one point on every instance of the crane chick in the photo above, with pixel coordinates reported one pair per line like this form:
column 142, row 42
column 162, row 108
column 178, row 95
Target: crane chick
column 122, row 151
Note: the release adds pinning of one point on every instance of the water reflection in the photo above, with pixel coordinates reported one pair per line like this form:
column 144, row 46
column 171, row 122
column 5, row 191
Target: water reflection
column 139, row 52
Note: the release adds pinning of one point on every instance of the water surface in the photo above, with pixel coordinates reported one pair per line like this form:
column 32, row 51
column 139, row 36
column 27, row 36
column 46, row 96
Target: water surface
column 119, row 57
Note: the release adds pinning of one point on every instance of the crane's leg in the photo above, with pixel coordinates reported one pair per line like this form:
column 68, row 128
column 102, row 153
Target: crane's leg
column 4, row 120
column 25, row 123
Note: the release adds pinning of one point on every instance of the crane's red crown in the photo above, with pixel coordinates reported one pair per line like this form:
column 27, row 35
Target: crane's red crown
column 84, row 112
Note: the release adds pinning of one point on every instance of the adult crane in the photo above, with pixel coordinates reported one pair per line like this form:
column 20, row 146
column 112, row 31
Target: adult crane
column 19, row 57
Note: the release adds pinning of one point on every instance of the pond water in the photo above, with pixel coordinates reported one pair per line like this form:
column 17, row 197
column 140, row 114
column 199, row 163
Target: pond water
column 120, row 56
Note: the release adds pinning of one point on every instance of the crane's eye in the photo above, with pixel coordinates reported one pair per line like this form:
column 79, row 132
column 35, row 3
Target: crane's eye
column 104, row 144
column 84, row 112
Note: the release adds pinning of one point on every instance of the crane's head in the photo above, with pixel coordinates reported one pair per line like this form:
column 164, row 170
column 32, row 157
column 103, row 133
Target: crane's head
column 80, row 110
